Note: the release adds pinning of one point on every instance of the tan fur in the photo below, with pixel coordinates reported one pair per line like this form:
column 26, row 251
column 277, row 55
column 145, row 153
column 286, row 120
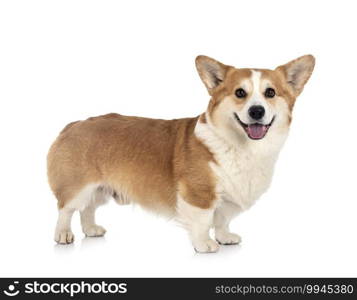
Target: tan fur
column 147, row 159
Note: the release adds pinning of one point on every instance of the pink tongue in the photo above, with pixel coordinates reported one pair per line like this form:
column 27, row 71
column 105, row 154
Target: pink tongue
column 256, row 131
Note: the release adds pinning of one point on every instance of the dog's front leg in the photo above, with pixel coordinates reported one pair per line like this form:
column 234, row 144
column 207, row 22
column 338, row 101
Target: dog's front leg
column 198, row 222
column 222, row 217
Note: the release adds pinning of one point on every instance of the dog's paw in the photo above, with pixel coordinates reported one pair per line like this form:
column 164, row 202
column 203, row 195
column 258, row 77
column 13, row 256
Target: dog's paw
column 64, row 237
column 207, row 246
column 228, row 238
column 94, row 230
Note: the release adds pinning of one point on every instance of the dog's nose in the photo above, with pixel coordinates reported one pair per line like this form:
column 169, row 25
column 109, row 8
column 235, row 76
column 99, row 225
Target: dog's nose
column 256, row 112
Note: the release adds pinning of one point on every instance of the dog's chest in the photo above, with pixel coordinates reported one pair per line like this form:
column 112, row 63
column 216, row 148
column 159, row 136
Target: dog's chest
column 242, row 176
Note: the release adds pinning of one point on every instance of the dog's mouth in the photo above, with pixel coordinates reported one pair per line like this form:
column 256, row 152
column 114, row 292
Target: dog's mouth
column 255, row 131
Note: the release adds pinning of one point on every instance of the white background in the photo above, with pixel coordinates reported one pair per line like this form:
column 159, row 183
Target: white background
column 61, row 61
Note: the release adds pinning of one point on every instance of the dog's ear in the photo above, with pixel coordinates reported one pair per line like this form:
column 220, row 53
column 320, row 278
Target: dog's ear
column 211, row 71
column 297, row 72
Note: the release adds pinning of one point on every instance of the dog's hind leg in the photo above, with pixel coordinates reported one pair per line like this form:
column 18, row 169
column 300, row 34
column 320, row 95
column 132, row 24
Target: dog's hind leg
column 86, row 200
column 63, row 233
column 89, row 226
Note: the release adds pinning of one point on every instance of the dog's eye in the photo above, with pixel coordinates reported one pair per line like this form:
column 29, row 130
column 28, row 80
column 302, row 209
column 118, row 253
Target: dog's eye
column 240, row 93
column 269, row 93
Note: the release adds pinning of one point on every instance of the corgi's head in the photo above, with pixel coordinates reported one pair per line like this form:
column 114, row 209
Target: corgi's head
column 253, row 103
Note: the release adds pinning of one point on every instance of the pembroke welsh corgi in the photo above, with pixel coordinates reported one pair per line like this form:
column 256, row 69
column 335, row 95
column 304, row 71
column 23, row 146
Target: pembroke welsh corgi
column 201, row 171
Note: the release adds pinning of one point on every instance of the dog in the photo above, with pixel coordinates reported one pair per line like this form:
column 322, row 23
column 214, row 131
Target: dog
column 201, row 171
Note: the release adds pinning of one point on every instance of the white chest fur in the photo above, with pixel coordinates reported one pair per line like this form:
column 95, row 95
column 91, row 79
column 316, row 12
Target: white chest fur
column 243, row 172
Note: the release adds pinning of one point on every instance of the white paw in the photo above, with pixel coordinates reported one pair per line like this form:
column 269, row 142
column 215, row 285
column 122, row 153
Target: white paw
column 94, row 230
column 228, row 238
column 64, row 237
column 206, row 246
